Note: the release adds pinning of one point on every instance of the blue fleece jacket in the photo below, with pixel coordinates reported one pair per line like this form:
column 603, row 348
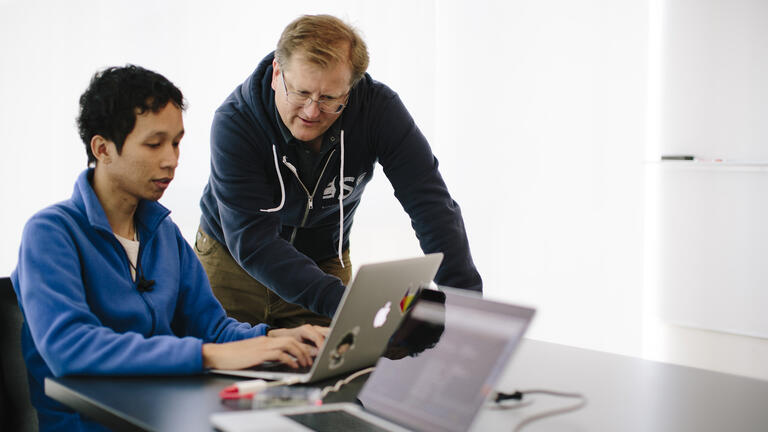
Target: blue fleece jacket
column 84, row 314
column 276, row 228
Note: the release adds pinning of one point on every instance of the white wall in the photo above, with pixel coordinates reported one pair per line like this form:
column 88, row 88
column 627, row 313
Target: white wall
column 51, row 49
column 545, row 157
column 536, row 110
column 706, row 237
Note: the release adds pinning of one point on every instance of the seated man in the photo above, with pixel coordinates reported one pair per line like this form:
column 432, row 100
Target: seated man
column 106, row 282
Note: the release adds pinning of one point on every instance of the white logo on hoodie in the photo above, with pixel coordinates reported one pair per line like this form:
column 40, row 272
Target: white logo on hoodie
column 349, row 186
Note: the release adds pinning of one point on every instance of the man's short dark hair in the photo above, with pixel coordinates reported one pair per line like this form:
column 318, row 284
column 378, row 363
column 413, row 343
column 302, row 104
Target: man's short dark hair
column 113, row 99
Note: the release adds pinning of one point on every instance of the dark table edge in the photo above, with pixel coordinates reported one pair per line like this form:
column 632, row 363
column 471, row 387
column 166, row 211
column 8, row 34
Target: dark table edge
column 91, row 408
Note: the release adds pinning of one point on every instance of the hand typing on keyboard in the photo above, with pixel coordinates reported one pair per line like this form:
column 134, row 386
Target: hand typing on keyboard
column 294, row 347
column 309, row 334
column 313, row 350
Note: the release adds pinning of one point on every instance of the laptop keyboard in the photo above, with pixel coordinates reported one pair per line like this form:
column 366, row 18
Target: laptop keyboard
column 334, row 421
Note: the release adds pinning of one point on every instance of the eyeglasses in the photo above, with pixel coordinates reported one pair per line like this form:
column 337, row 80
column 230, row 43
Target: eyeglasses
column 328, row 105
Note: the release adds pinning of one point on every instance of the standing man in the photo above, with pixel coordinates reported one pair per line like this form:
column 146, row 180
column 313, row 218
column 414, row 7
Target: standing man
column 292, row 149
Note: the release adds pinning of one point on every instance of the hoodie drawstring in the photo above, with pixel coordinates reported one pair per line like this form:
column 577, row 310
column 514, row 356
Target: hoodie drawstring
column 341, row 194
column 341, row 199
column 282, row 186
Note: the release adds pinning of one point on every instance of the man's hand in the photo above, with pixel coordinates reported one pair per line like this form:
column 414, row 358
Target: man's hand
column 307, row 334
column 254, row 351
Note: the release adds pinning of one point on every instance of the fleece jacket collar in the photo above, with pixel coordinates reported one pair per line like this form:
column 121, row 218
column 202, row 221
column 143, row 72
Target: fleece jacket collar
column 149, row 214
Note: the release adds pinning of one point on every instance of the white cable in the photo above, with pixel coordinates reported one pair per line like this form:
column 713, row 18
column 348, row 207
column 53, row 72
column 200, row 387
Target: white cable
column 347, row 380
column 282, row 186
column 530, row 419
column 341, row 199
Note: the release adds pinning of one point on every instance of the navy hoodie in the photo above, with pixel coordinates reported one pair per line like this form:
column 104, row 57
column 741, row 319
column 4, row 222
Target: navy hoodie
column 277, row 229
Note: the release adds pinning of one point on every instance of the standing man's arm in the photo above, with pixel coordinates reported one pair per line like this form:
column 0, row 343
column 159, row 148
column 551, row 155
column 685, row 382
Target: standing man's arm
column 244, row 182
column 436, row 218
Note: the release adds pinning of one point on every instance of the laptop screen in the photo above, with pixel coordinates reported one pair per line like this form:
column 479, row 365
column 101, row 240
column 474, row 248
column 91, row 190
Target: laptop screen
column 444, row 360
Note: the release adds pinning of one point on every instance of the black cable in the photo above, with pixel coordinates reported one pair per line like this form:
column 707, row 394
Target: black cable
column 507, row 396
column 142, row 285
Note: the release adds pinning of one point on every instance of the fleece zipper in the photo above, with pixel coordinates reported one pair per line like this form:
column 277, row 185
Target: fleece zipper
column 310, row 196
column 150, row 309
column 145, row 293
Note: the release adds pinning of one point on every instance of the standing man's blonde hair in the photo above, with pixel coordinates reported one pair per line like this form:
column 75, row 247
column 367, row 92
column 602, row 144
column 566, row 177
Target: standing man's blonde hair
column 325, row 40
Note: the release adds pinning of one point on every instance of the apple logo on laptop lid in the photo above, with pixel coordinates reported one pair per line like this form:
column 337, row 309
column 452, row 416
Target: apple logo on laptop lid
column 381, row 315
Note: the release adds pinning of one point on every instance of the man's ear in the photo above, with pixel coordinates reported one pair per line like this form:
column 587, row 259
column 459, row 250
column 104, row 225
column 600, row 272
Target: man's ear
column 275, row 74
column 100, row 148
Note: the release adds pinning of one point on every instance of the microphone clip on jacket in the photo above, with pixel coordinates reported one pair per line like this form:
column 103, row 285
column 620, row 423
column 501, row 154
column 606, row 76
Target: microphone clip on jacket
column 145, row 285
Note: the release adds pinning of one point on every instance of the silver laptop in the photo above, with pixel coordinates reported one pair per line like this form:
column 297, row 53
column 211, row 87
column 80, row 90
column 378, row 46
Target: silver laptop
column 451, row 358
column 368, row 314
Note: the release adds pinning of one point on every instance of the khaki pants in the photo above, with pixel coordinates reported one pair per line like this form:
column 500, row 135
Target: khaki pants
column 246, row 299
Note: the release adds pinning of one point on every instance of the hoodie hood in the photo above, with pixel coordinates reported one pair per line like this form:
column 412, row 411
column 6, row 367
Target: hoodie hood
column 257, row 99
